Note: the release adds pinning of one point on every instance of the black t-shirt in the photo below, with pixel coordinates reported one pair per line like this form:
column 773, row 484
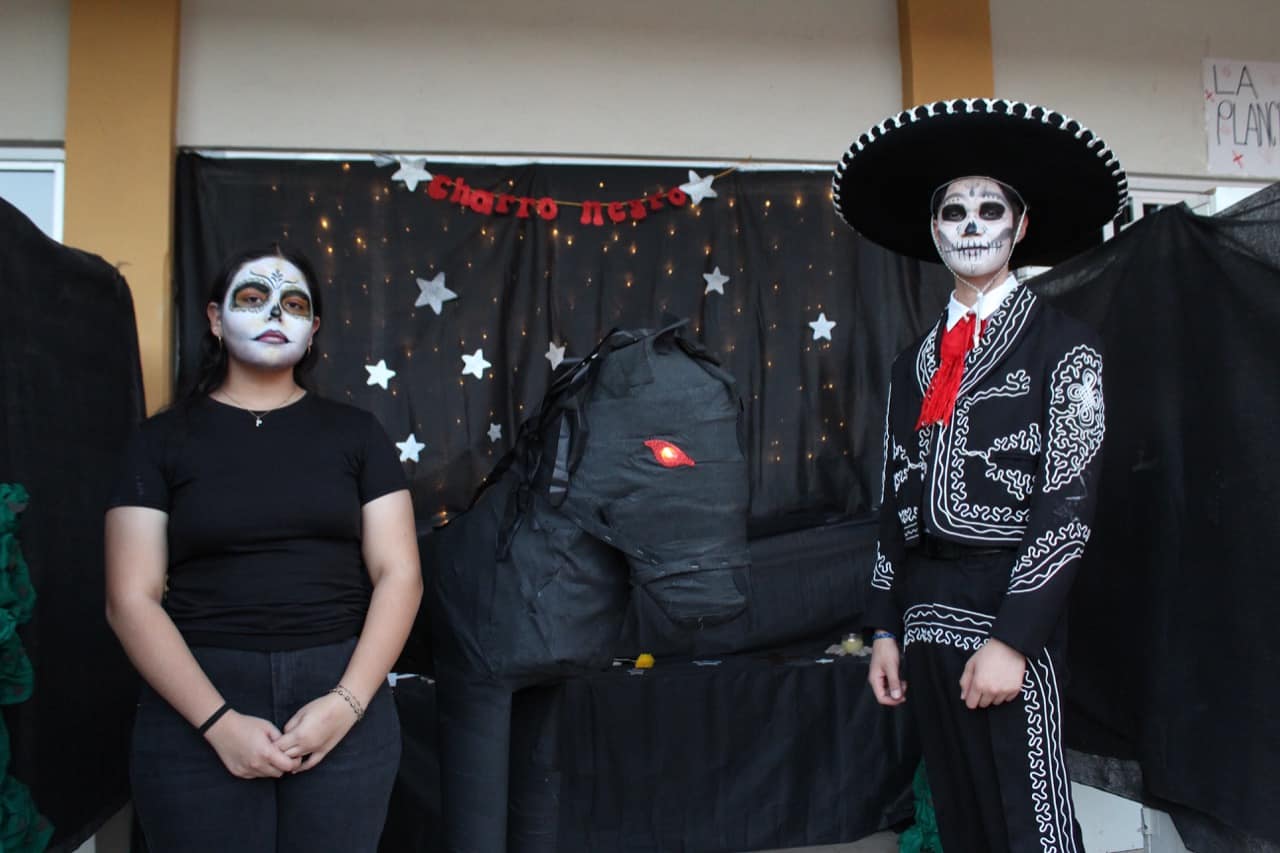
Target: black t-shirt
column 264, row 521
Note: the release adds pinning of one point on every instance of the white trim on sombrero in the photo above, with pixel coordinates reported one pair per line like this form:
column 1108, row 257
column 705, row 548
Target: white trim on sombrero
column 970, row 105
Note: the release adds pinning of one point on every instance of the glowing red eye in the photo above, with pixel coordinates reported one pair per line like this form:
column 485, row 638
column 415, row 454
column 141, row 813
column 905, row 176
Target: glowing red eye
column 667, row 454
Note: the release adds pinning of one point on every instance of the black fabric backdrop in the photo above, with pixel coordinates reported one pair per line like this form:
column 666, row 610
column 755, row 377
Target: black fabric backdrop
column 1173, row 651
column 71, row 388
column 814, row 408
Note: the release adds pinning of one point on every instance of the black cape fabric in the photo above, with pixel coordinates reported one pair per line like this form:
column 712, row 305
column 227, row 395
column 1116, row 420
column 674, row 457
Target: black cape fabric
column 1172, row 648
column 71, row 387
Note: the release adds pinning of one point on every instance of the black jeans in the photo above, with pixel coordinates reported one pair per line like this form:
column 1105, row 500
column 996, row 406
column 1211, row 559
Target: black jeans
column 187, row 802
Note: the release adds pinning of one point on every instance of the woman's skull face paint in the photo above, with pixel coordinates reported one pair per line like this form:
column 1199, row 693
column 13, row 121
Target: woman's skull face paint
column 266, row 314
column 973, row 226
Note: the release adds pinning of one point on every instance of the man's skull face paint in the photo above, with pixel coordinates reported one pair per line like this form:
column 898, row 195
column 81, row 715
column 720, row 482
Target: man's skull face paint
column 973, row 227
column 267, row 315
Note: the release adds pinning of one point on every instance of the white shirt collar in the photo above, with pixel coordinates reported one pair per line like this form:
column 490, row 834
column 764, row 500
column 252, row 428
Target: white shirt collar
column 985, row 307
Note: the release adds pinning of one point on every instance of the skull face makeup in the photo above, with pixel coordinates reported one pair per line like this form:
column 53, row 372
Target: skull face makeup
column 267, row 319
column 974, row 226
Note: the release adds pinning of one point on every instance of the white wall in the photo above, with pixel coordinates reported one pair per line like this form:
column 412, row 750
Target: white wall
column 1129, row 69
column 681, row 78
column 33, row 70
column 776, row 79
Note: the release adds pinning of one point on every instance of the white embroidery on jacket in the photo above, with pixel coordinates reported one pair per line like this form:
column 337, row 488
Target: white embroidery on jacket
column 888, row 408
column 1044, row 557
column 1025, row 440
column 927, row 358
column 900, row 475
column 1077, row 417
column 909, row 518
column 1004, row 328
column 882, row 574
column 949, row 503
column 1016, row 481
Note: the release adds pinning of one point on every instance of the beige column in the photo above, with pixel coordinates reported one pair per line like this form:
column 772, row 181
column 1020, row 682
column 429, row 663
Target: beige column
column 945, row 49
column 122, row 85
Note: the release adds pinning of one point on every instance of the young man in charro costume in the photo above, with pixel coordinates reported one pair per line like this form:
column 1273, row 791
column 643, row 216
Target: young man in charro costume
column 992, row 447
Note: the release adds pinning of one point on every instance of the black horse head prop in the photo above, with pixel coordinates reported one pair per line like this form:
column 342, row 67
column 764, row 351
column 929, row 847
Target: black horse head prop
column 631, row 473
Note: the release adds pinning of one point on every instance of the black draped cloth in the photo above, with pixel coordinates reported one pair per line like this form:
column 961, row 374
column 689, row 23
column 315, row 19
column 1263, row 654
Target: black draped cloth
column 71, row 387
column 717, row 755
column 1172, row 651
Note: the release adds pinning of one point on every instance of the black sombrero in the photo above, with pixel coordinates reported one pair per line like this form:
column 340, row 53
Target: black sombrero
column 1070, row 180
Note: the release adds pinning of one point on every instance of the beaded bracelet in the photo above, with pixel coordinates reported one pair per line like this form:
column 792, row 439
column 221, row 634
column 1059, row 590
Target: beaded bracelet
column 356, row 707
column 883, row 635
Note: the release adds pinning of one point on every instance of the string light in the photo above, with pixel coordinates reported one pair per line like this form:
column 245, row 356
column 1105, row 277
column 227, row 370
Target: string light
column 570, row 298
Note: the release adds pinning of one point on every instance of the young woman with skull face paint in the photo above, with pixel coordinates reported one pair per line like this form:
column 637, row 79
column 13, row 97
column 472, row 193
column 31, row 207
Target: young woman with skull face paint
column 993, row 436
column 262, row 575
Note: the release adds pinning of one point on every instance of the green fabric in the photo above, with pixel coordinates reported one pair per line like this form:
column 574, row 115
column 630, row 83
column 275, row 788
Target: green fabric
column 923, row 836
column 22, row 828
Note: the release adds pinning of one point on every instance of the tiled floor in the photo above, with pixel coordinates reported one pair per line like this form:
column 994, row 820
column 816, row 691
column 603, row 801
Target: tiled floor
column 881, row 842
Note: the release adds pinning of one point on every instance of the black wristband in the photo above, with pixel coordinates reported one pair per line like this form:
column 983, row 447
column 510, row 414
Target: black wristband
column 213, row 718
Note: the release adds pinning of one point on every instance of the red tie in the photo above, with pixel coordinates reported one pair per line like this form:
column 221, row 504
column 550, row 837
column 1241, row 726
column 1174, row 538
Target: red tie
column 940, row 399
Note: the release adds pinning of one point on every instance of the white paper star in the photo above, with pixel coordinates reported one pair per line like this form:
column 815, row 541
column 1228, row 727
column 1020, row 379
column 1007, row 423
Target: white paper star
column 410, row 448
column 554, row 354
column 699, row 188
column 379, row 373
column 475, row 364
column 495, row 432
column 715, row 281
column 434, row 293
column 822, row 327
column 411, row 171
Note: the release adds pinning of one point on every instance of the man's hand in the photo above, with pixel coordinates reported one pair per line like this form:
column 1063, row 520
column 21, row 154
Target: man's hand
column 992, row 676
column 316, row 729
column 247, row 747
column 888, row 687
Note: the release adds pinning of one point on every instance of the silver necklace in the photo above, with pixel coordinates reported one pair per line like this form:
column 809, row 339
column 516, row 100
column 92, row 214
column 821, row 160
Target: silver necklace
column 258, row 416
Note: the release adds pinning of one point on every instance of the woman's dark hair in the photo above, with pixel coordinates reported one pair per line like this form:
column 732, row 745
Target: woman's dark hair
column 212, row 369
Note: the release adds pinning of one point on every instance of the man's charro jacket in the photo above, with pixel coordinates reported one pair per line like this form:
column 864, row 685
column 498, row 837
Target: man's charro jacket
column 1016, row 467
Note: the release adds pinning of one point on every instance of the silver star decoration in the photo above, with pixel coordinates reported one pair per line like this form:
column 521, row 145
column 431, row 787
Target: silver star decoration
column 379, row 374
column 554, row 354
column 495, row 432
column 715, row 281
column 412, row 171
column 699, row 188
column 434, row 293
column 475, row 364
column 822, row 327
column 410, row 448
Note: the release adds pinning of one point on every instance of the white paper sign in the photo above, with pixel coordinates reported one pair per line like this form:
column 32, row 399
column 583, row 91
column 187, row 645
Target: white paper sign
column 1242, row 117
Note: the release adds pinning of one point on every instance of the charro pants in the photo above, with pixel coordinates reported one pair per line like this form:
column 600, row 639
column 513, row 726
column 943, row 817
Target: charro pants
column 998, row 774
column 187, row 802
